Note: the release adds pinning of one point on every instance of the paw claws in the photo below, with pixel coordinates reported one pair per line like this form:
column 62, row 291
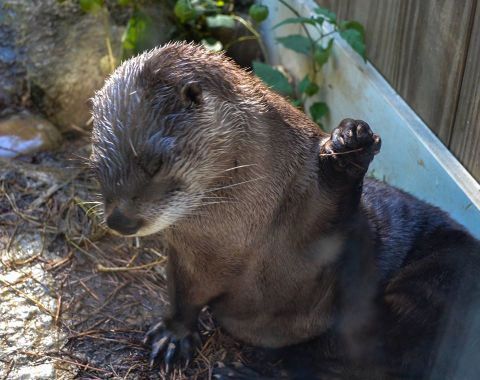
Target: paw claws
column 170, row 356
column 165, row 344
column 158, row 347
column 154, row 330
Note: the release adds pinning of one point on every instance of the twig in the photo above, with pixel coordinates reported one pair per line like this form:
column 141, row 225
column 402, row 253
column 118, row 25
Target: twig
column 238, row 40
column 46, row 174
column 59, row 309
column 47, row 194
column 25, row 261
column 108, row 43
column 11, row 238
column 132, row 260
column 102, row 268
column 60, row 262
column 340, row 153
column 26, row 217
column 70, row 241
column 81, row 365
column 10, row 365
column 89, row 290
column 130, row 369
column 252, row 30
column 26, row 296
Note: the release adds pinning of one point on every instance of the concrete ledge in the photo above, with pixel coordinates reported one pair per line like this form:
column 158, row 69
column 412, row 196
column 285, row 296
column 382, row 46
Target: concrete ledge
column 412, row 157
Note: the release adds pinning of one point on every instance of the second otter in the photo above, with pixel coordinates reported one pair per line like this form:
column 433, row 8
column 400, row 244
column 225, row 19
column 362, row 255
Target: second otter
column 270, row 222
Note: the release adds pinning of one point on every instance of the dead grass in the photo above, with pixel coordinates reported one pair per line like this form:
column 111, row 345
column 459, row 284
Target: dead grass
column 108, row 289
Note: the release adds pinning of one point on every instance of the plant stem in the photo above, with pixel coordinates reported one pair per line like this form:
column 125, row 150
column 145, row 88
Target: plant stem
column 257, row 36
column 335, row 30
column 309, row 36
column 295, row 12
column 108, row 42
column 238, row 40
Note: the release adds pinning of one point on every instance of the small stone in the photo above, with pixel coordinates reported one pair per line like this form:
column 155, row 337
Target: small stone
column 42, row 371
column 12, row 277
column 25, row 133
column 25, row 246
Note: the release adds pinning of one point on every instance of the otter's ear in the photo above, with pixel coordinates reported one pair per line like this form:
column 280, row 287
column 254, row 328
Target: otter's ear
column 191, row 94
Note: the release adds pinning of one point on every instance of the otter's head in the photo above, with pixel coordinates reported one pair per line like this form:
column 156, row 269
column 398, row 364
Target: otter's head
column 163, row 134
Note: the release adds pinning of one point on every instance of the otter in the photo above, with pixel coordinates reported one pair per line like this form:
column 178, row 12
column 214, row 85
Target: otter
column 271, row 223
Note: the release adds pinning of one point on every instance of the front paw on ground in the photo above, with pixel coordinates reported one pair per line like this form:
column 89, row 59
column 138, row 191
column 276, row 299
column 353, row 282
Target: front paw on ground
column 352, row 145
column 172, row 347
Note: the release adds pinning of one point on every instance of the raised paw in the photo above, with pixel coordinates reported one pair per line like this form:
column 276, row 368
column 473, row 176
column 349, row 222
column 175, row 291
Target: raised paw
column 173, row 347
column 352, row 146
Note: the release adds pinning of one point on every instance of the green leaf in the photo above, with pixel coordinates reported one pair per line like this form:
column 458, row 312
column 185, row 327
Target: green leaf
column 296, row 42
column 304, row 84
column 273, row 78
column 184, row 10
column 124, row 3
column 318, row 110
column 136, row 25
column 221, row 21
column 307, row 87
column 258, row 12
column 297, row 103
column 91, row 6
column 319, row 20
column 326, row 14
column 356, row 40
column 212, row 44
column 351, row 24
column 322, row 54
column 295, row 20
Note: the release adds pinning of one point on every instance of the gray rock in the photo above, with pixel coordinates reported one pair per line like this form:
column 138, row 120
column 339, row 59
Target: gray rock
column 39, row 372
column 25, row 133
column 53, row 56
column 12, row 72
column 27, row 328
column 59, row 50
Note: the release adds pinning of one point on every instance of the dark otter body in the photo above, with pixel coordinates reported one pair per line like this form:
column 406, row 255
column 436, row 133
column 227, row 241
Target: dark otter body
column 269, row 221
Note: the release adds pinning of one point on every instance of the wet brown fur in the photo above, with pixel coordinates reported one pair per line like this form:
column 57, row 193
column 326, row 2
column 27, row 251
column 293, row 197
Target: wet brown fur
column 283, row 243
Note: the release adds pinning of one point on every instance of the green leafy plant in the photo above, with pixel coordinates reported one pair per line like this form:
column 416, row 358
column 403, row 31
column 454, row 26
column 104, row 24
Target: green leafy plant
column 138, row 28
column 318, row 50
column 98, row 8
column 193, row 20
column 198, row 20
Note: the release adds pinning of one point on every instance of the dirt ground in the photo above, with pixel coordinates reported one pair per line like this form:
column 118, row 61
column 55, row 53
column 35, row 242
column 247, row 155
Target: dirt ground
column 76, row 299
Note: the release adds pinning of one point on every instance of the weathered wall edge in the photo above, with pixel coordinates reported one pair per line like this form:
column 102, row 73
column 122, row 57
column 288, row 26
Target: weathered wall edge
column 412, row 157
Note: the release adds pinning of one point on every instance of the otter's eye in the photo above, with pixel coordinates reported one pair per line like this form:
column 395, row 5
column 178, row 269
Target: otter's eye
column 159, row 150
column 151, row 166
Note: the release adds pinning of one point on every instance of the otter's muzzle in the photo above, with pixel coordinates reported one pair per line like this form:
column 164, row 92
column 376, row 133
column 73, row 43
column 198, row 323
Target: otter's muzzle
column 123, row 224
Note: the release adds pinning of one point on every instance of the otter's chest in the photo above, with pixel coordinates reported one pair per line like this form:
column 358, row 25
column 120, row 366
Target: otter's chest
column 276, row 305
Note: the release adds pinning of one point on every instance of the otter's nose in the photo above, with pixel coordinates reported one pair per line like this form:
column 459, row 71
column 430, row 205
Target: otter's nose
column 122, row 223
